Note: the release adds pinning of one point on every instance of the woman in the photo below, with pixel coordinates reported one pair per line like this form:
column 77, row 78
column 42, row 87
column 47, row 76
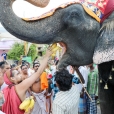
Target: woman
column 15, row 93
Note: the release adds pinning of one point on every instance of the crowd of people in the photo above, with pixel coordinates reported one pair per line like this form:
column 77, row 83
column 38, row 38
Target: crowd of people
column 55, row 91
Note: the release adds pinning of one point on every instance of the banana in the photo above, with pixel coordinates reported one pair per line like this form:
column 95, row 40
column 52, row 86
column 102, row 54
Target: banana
column 60, row 48
column 54, row 45
column 53, row 55
column 31, row 105
column 24, row 104
column 55, row 49
column 31, row 97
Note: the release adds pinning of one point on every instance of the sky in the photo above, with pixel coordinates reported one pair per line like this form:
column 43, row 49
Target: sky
column 24, row 9
column 2, row 30
column 0, row 25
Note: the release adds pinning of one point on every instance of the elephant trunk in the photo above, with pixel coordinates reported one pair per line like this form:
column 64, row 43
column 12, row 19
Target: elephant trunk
column 39, row 3
column 42, row 31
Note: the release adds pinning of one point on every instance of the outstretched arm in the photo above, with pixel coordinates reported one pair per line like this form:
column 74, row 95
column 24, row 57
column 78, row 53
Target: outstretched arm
column 24, row 85
column 39, row 3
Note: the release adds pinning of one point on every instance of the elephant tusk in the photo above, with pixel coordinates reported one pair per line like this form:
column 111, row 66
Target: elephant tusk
column 39, row 3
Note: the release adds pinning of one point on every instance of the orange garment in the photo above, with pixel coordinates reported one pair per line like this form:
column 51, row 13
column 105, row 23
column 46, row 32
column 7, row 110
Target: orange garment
column 44, row 81
column 12, row 101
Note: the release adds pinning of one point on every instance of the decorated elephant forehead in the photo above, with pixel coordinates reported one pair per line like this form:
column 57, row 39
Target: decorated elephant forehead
column 95, row 8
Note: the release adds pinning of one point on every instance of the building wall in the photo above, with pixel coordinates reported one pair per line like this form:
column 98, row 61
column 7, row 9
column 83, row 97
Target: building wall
column 6, row 45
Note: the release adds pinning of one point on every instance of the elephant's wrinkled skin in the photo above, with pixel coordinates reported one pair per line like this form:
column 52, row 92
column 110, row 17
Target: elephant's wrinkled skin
column 72, row 26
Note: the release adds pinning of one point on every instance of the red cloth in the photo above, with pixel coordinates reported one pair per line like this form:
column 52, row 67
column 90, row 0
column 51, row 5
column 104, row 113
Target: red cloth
column 7, row 81
column 108, row 10
column 12, row 101
column 49, row 76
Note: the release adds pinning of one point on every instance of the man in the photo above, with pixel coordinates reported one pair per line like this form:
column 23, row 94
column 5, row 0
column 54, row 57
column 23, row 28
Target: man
column 39, row 91
column 4, row 55
column 67, row 99
column 30, row 71
column 92, row 88
column 13, row 66
column 4, row 66
column 36, row 66
column 24, row 71
column 82, row 108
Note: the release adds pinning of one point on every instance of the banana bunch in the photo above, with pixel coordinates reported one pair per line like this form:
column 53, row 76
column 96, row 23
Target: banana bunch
column 27, row 104
column 54, row 49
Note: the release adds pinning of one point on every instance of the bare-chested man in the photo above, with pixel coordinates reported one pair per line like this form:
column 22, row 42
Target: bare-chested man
column 24, row 71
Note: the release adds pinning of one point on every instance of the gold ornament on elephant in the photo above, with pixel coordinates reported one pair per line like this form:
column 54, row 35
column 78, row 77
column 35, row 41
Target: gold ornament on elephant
column 110, row 77
column 112, row 69
column 101, row 81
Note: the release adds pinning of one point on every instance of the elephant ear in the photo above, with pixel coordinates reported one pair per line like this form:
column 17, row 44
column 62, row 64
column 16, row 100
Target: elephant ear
column 104, row 50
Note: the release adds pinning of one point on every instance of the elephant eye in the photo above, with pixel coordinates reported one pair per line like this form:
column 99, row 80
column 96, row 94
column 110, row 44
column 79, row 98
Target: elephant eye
column 75, row 14
column 72, row 18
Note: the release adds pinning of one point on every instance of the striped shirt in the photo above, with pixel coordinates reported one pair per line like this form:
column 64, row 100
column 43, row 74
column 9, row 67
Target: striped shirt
column 92, row 86
column 66, row 102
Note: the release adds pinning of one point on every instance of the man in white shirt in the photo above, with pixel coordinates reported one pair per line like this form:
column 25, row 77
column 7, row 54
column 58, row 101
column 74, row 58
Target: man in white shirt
column 67, row 100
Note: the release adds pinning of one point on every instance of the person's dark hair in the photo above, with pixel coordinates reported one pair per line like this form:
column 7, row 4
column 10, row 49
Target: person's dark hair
column 64, row 80
column 56, row 62
column 23, row 65
column 27, row 63
column 13, row 65
column 49, row 85
column 23, row 61
column 35, row 64
column 2, row 64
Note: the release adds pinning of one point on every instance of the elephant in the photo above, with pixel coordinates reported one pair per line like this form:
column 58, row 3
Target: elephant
column 85, row 39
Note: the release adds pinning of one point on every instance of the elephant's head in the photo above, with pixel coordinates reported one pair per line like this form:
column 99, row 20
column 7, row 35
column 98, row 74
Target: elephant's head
column 71, row 26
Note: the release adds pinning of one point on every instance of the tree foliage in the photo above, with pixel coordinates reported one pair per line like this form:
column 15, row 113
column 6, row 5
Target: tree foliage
column 16, row 51
column 45, row 48
column 32, row 51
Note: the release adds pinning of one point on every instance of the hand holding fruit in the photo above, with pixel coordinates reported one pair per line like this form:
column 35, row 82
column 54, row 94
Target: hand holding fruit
column 27, row 104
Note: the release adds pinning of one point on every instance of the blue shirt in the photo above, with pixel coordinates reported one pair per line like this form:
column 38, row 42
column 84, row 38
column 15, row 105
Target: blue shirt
column 4, row 55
